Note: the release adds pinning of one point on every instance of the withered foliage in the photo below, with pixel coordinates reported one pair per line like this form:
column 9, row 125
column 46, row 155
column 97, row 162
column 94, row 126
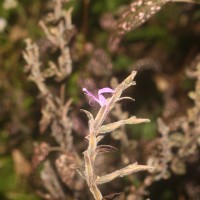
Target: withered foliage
column 55, row 108
column 64, row 174
column 177, row 149
column 41, row 151
column 134, row 15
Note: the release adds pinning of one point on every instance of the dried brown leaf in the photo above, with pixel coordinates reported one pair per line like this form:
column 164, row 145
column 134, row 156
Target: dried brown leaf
column 41, row 151
column 111, row 196
column 66, row 167
column 105, row 149
column 21, row 164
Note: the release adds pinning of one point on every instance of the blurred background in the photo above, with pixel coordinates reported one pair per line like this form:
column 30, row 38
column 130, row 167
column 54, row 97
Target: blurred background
column 161, row 49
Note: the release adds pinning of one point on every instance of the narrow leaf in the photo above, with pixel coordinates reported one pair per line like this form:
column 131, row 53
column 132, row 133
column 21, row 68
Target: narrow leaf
column 111, row 196
column 105, row 149
column 112, row 126
column 126, row 98
column 90, row 118
column 123, row 172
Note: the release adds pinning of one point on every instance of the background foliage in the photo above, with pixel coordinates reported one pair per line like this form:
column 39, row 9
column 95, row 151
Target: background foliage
column 161, row 50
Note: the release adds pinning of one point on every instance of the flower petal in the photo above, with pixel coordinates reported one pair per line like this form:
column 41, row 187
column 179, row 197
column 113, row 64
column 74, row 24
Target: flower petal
column 103, row 100
column 105, row 90
column 92, row 96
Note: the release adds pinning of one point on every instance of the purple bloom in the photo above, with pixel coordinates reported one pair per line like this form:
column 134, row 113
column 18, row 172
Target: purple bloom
column 100, row 99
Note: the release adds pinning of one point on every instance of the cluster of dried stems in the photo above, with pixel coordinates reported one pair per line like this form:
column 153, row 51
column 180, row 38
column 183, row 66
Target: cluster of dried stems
column 57, row 25
column 58, row 31
column 179, row 142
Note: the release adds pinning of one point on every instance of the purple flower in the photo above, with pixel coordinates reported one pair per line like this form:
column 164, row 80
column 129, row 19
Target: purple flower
column 100, row 99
